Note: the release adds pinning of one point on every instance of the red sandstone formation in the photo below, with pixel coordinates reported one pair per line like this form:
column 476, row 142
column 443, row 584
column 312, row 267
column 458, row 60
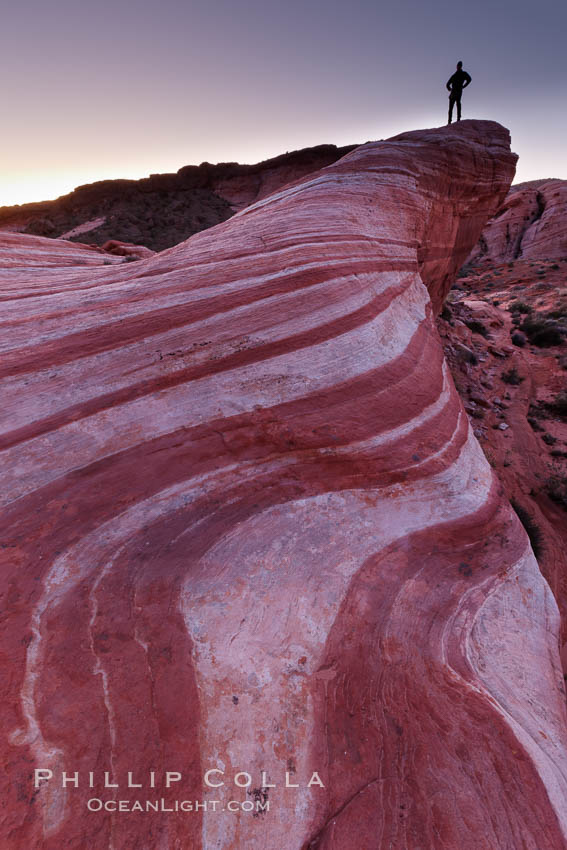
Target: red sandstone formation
column 531, row 224
column 512, row 383
column 18, row 250
column 125, row 249
column 248, row 527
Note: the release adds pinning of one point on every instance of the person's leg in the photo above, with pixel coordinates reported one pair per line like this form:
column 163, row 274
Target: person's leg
column 451, row 102
column 459, row 109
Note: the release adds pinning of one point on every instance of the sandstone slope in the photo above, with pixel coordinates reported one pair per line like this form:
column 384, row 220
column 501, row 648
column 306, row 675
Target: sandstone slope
column 248, row 525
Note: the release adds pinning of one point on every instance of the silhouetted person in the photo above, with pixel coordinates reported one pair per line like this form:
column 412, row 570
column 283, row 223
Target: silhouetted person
column 459, row 81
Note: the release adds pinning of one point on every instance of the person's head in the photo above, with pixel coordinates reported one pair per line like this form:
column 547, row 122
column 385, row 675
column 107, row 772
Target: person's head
column 459, row 66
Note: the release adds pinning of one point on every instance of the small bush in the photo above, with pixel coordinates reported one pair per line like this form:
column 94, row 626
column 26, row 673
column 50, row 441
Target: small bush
column 519, row 339
column 476, row 327
column 465, row 271
column 542, row 332
column 559, row 405
column 519, row 307
column 556, row 489
column 512, row 376
column 532, row 528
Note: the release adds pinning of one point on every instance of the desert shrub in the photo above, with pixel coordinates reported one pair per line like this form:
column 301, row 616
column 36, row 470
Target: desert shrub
column 518, row 338
column 519, row 307
column 532, row 528
column 476, row 327
column 549, row 439
column 541, row 332
column 512, row 376
column 465, row 270
column 556, row 489
column 559, row 404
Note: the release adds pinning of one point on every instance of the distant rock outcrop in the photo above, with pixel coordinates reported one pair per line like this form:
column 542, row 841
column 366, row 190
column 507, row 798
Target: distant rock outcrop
column 531, row 224
column 125, row 249
column 164, row 209
column 248, row 527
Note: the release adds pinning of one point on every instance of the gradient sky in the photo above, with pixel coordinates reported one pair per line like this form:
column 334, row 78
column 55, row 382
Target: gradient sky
column 125, row 88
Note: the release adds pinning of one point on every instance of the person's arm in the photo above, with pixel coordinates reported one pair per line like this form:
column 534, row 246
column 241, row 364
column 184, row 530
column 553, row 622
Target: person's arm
column 467, row 80
column 449, row 82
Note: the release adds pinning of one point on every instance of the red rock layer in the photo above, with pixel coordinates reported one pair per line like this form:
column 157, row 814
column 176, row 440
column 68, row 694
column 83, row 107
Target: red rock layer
column 18, row 251
column 248, row 527
column 126, row 249
column 531, row 224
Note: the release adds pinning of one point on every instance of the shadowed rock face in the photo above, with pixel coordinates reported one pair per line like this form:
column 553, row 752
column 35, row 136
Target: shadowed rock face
column 248, row 527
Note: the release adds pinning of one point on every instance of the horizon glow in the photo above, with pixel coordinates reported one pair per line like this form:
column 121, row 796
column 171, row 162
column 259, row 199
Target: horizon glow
column 119, row 93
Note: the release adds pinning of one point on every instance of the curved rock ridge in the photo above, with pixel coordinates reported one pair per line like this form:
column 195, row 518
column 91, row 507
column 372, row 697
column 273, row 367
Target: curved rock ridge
column 247, row 527
column 531, row 224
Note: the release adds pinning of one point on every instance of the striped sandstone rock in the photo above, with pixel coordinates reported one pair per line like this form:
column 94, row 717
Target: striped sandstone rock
column 247, row 527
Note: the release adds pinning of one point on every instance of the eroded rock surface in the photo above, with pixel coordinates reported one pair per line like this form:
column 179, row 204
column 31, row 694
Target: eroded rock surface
column 531, row 224
column 248, row 527
column 505, row 338
column 19, row 251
